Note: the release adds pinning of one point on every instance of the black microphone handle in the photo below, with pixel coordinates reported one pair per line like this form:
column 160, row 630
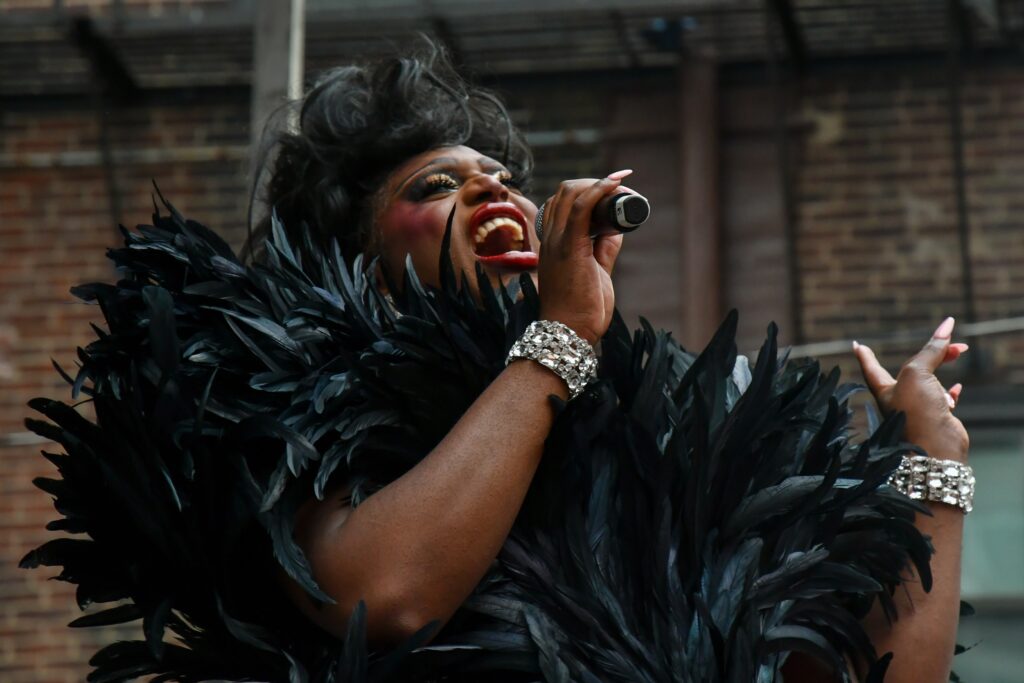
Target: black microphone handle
column 620, row 212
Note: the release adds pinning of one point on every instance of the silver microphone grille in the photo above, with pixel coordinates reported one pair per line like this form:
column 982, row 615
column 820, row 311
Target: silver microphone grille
column 538, row 224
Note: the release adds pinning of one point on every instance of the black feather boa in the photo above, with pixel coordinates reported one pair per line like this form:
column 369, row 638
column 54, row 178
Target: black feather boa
column 692, row 520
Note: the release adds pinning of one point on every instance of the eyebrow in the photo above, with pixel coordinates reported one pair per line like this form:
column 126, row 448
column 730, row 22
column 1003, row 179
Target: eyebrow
column 484, row 162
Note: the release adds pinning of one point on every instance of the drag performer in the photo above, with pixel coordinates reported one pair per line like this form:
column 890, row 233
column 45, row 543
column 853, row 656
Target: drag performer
column 382, row 447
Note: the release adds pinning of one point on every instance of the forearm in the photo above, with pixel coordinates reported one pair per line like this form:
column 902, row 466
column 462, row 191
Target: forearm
column 922, row 639
column 415, row 549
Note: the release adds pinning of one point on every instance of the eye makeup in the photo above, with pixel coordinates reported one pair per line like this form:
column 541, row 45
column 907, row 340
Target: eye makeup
column 435, row 181
column 431, row 183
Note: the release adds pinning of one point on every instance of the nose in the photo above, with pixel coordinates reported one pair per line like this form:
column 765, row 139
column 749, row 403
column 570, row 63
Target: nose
column 484, row 187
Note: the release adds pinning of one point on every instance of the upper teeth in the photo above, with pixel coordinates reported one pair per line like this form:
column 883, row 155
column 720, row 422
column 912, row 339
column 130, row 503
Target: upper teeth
column 486, row 227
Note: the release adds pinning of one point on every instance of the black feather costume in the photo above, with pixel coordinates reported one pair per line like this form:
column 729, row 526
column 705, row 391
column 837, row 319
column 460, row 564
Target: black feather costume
column 692, row 520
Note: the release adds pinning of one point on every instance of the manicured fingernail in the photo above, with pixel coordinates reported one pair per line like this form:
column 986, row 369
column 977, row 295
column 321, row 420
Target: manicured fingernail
column 961, row 347
column 950, row 401
column 855, row 345
column 619, row 175
column 945, row 330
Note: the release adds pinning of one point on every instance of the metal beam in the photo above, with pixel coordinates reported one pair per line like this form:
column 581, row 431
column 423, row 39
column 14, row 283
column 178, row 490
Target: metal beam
column 278, row 54
column 113, row 83
column 700, row 248
column 112, row 74
column 954, row 36
column 796, row 47
column 781, row 134
column 961, row 19
column 618, row 20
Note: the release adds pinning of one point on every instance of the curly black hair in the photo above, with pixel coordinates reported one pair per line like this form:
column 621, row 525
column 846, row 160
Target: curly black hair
column 354, row 127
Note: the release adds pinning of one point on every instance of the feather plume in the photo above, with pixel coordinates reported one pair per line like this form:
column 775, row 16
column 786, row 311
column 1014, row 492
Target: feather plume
column 692, row 520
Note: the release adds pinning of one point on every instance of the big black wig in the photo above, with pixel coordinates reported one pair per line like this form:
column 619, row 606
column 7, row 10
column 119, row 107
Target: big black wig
column 328, row 153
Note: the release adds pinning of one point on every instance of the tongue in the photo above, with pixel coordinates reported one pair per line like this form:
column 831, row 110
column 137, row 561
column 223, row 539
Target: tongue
column 512, row 259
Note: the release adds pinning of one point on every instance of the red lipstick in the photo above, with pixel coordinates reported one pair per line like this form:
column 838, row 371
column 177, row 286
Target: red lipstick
column 496, row 245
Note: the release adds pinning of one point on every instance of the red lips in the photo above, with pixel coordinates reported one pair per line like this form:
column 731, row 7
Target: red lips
column 512, row 260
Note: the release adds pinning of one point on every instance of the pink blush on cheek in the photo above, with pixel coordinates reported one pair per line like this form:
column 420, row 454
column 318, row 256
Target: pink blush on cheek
column 409, row 223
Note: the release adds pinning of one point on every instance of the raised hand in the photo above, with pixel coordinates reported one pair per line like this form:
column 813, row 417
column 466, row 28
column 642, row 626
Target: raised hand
column 917, row 392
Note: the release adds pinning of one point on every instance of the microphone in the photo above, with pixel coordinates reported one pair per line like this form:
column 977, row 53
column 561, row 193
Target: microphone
column 621, row 212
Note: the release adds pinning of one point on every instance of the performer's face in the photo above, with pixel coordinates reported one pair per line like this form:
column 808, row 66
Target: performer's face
column 492, row 223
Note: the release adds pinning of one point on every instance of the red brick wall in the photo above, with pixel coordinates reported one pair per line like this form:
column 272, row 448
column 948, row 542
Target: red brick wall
column 995, row 193
column 877, row 228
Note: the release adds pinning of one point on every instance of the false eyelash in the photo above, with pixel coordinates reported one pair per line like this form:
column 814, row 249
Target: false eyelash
column 436, row 182
column 510, row 180
column 440, row 180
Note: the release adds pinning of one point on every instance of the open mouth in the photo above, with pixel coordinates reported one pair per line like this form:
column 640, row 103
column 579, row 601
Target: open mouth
column 499, row 238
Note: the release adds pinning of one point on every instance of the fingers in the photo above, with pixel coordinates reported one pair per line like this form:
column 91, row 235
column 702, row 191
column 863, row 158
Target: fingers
column 548, row 218
column 606, row 250
column 877, row 378
column 955, row 351
column 567, row 217
column 935, row 351
column 925, row 356
column 953, row 395
column 577, row 223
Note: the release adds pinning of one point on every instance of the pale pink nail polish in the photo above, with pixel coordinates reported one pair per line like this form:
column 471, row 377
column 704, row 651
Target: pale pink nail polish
column 855, row 345
column 945, row 330
column 619, row 175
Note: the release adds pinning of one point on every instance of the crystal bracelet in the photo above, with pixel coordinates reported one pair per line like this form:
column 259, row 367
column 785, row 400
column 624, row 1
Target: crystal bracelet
column 942, row 481
column 559, row 349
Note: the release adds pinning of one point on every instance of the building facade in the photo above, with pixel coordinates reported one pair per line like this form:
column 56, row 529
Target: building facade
column 853, row 174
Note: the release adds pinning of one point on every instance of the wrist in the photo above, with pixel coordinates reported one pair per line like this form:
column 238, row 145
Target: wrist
column 943, row 449
column 538, row 380
column 560, row 350
column 583, row 331
column 940, row 481
column 945, row 454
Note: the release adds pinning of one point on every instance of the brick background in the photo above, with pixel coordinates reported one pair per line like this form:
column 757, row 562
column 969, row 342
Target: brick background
column 877, row 236
column 877, row 242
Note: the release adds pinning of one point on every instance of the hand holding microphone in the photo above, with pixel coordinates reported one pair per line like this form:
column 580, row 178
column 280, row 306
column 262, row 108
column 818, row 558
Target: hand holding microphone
column 580, row 229
column 623, row 211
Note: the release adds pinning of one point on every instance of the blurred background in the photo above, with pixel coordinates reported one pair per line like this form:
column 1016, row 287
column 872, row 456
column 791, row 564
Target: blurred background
column 852, row 169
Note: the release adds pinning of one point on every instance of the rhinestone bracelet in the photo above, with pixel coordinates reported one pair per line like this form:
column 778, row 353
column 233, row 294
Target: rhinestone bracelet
column 943, row 481
column 559, row 349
